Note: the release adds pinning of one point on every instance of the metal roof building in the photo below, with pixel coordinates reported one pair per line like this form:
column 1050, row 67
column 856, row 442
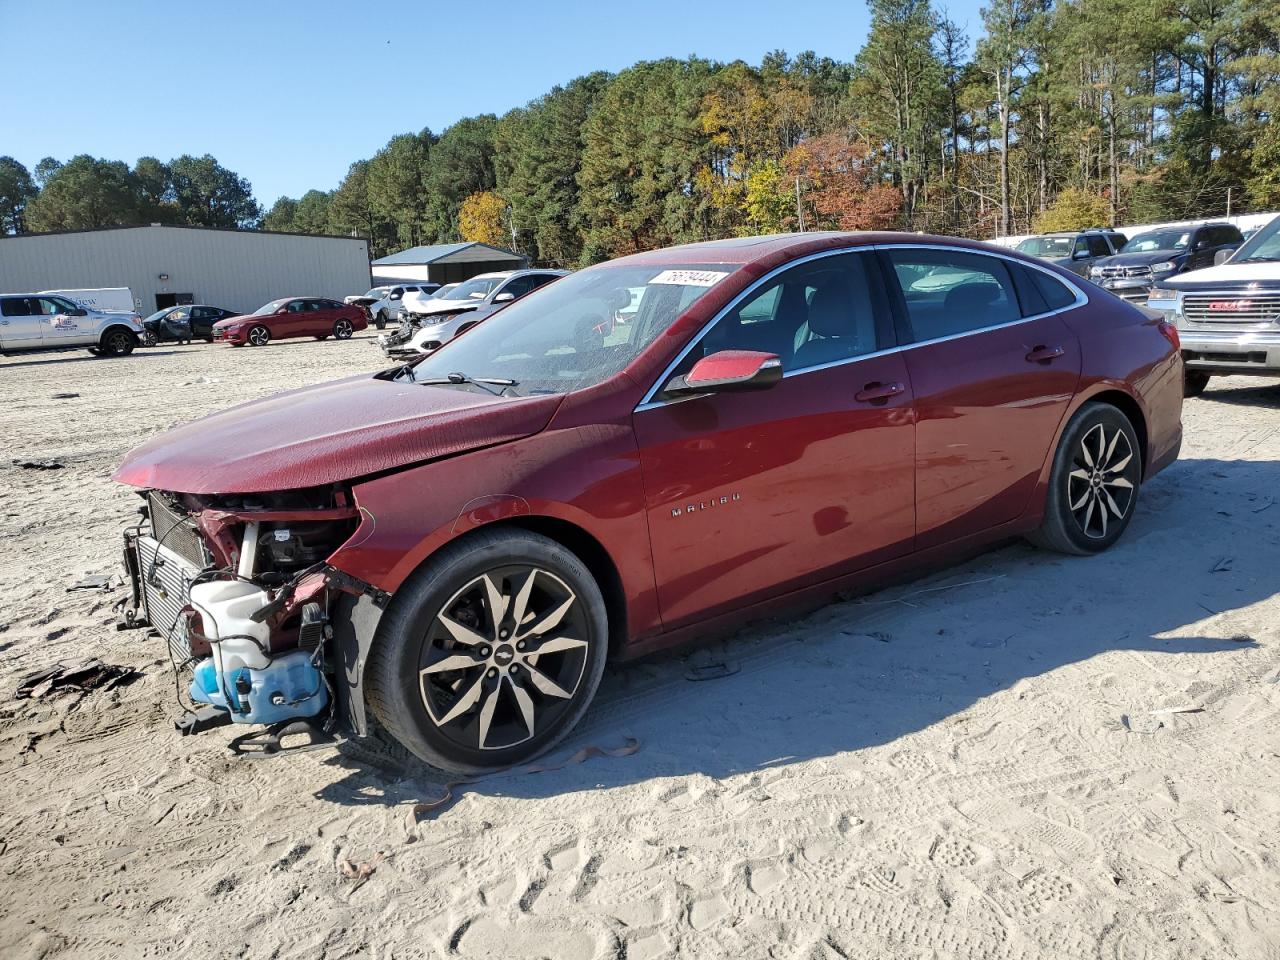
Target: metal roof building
column 165, row 265
column 446, row 262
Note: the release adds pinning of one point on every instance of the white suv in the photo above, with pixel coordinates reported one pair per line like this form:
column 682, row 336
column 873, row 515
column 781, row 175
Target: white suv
column 45, row 321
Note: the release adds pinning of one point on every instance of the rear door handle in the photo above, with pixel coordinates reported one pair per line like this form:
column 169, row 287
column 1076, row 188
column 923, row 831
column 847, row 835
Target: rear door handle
column 1043, row 354
column 878, row 393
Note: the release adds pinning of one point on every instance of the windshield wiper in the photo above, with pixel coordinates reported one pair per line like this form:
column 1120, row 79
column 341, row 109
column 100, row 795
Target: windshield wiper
column 481, row 382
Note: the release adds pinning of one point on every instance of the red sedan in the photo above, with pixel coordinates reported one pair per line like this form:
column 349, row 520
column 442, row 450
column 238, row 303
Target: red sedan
column 291, row 317
column 776, row 419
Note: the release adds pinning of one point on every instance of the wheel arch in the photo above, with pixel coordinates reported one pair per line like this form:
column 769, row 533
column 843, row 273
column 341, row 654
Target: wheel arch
column 1128, row 405
column 583, row 545
column 117, row 326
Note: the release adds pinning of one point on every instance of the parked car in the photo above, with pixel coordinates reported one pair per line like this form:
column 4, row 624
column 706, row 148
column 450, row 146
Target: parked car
column 1228, row 315
column 432, row 322
column 292, row 317
column 462, row 542
column 1152, row 257
column 185, row 323
column 1076, row 251
column 42, row 321
column 383, row 304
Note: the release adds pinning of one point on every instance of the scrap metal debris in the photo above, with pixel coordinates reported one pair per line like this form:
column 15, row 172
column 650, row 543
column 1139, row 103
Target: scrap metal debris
column 39, row 464
column 65, row 396
column 360, row 872
column 94, row 581
column 81, row 677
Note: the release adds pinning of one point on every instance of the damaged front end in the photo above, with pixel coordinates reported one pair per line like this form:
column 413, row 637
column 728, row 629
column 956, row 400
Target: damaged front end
column 240, row 589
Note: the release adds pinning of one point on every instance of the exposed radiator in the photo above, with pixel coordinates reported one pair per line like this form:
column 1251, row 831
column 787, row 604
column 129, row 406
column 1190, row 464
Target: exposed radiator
column 166, row 589
column 176, row 530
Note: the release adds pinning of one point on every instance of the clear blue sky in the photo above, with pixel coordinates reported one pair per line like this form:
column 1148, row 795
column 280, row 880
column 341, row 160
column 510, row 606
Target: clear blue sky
column 288, row 93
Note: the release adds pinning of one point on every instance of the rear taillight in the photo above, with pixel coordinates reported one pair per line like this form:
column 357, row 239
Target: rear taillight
column 1170, row 333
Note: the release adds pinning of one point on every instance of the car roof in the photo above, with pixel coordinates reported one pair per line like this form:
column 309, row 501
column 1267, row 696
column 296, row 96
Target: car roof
column 773, row 249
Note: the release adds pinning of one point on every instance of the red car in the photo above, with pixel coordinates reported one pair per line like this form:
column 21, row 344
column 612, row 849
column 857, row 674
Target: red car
column 291, row 317
column 457, row 546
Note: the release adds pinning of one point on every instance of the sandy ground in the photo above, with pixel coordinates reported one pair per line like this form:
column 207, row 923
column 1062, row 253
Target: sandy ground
column 989, row 763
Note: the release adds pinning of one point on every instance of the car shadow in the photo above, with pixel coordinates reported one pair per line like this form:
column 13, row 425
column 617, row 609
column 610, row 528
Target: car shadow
column 863, row 673
column 59, row 357
column 1265, row 394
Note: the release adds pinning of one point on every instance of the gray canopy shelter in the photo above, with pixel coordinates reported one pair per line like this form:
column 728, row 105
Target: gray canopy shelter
column 445, row 262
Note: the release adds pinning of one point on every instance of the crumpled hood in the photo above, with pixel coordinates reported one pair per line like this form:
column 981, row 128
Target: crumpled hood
column 329, row 433
column 1140, row 259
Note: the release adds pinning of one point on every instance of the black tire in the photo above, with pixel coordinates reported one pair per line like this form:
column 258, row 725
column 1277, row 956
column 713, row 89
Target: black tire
column 1097, row 472
column 118, row 342
column 323, row 336
column 1194, row 382
column 381, row 322
column 343, row 329
column 209, row 339
column 258, row 336
column 406, row 686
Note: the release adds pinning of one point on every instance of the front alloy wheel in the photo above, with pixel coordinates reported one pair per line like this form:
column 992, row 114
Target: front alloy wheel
column 343, row 329
column 118, row 343
column 490, row 653
column 259, row 336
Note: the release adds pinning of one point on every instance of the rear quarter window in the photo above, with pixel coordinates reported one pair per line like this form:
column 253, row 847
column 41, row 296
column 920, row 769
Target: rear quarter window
column 1056, row 294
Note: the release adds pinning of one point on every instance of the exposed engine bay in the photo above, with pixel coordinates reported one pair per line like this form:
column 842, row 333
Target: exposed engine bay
column 239, row 588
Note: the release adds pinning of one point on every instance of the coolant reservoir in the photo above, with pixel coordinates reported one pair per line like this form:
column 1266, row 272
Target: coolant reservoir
column 225, row 606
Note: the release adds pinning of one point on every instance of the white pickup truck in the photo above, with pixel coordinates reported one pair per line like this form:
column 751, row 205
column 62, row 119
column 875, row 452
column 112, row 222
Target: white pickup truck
column 46, row 321
column 1228, row 315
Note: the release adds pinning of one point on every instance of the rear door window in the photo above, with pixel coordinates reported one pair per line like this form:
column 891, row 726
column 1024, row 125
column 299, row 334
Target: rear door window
column 948, row 292
column 18, row 307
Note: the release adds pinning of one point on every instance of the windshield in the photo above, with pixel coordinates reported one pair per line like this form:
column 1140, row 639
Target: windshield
column 1263, row 245
column 1046, row 246
column 477, row 288
column 377, row 293
column 1158, row 240
column 576, row 332
column 271, row 307
column 443, row 292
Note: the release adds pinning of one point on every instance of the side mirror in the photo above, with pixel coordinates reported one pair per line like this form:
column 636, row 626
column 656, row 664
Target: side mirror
column 504, row 298
column 728, row 371
column 1080, row 255
column 1222, row 256
column 395, row 296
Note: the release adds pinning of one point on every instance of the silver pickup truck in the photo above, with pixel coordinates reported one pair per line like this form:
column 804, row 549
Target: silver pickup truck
column 1228, row 315
column 45, row 321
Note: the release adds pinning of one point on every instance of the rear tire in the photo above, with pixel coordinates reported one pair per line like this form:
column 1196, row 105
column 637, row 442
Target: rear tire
column 323, row 336
column 1093, row 486
column 471, row 695
column 259, row 336
column 118, row 342
column 1194, row 383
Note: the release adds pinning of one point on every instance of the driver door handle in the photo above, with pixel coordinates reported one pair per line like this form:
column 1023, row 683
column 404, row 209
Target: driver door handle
column 1043, row 354
column 878, row 393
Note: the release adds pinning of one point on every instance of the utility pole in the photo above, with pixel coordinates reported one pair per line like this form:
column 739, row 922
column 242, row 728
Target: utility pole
column 799, row 207
column 1228, row 201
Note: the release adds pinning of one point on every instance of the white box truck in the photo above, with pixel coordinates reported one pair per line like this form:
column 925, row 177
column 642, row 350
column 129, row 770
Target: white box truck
column 101, row 299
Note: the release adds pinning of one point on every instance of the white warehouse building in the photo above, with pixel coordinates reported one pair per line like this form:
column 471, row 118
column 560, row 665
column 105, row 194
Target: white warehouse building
column 239, row 270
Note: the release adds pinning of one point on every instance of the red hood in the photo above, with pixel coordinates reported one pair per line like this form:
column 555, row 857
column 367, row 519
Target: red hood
column 328, row 433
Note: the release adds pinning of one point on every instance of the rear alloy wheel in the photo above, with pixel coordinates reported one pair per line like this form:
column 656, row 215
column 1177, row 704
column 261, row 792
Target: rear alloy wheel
column 343, row 328
column 1094, row 485
column 1194, row 383
column 259, row 336
column 490, row 654
column 118, row 343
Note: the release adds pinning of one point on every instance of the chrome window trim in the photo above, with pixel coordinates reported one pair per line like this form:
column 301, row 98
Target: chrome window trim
column 648, row 402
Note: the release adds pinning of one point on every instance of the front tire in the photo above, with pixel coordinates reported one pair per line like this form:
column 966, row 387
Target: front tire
column 1093, row 488
column 343, row 329
column 1194, row 383
column 259, row 336
column 118, row 343
column 381, row 322
column 490, row 654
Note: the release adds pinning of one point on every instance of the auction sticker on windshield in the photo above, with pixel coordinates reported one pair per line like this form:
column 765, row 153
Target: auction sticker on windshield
column 690, row 278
